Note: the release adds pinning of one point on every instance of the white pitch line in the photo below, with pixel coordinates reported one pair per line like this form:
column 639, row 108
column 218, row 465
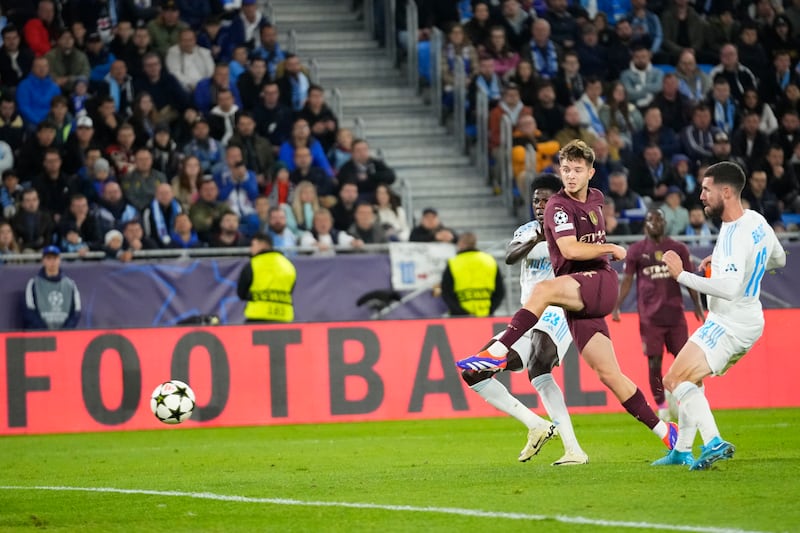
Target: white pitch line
column 381, row 507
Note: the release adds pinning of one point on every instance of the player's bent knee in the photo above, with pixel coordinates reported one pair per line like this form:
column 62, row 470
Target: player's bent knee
column 473, row 377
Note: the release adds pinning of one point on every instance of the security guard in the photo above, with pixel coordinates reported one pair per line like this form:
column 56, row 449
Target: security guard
column 266, row 283
column 472, row 283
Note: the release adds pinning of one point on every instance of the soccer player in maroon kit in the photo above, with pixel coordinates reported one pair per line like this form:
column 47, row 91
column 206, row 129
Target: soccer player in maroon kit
column 658, row 298
column 585, row 286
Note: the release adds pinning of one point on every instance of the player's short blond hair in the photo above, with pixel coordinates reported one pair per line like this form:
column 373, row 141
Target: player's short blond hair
column 576, row 150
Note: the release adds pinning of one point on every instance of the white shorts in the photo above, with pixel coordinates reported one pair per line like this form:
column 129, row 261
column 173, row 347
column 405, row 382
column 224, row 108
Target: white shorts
column 553, row 323
column 723, row 345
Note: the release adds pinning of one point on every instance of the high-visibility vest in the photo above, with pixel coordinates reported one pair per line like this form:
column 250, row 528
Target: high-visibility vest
column 474, row 275
column 274, row 277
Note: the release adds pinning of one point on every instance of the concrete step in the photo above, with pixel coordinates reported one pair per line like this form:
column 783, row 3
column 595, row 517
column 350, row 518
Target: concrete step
column 331, row 35
column 377, row 101
column 294, row 7
column 418, row 150
column 400, row 163
column 402, row 140
column 355, row 64
column 320, row 14
column 434, row 188
column 468, row 204
column 421, row 175
column 347, row 82
column 408, row 131
column 334, row 50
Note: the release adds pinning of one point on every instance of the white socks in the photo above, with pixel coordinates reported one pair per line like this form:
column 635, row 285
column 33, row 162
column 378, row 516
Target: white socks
column 694, row 414
column 553, row 401
column 498, row 396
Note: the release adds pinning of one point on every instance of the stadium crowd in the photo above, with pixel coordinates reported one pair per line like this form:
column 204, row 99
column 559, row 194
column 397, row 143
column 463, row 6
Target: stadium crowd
column 660, row 90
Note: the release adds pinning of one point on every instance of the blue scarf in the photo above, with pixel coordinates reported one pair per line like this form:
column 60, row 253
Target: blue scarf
column 723, row 116
column 594, row 119
column 545, row 62
column 492, row 89
column 193, row 241
column 451, row 58
column 162, row 230
column 695, row 94
column 299, row 91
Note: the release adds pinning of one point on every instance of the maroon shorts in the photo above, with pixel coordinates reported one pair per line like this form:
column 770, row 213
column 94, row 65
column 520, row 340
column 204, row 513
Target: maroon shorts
column 654, row 337
column 599, row 291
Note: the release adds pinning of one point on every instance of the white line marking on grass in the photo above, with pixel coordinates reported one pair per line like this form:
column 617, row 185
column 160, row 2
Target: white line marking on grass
column 381, row 507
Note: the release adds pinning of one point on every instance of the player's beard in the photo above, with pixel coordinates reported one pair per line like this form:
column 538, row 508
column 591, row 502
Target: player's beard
column 714, row 211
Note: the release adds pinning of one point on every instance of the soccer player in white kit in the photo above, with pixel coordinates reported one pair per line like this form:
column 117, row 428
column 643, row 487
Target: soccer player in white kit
column 540, row 349
column 746, row 248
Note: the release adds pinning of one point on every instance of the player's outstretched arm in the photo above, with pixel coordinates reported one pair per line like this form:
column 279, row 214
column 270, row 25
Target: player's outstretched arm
column 517, row 250
column 778, row 257
column 722, row 287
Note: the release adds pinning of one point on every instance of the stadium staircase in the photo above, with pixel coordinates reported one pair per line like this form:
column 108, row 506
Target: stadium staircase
column 373, row 96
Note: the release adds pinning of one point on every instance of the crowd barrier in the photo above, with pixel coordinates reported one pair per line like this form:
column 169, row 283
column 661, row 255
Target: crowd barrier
column 98, row 380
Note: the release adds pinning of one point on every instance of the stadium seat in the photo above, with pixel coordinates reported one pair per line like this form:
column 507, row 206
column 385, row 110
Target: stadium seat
column 424, row 60
column 791, row 218
column 666, row 69
column 705, row 67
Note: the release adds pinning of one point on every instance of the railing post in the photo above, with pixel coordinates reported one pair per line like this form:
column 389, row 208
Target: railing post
column 412, row 60
column 504, row 160
column 482, row 131
column 359, row 128
column 314, row 71
column 336, row 104
column 291, row 45
column 269, row 12
column 437, row 91
column 460, row 105
column 390, row 31
column 369, row 17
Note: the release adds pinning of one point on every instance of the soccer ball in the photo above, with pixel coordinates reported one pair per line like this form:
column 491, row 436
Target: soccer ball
column 172, row 402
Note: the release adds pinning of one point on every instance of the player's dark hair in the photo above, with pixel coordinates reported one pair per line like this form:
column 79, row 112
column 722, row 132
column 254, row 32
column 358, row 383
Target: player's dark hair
column 727, row 173
column 548, row 181
column 577, row 150
column 656, row 209
column 263, row 237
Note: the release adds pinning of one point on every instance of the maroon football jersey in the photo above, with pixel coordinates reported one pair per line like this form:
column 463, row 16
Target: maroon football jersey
column 658, row 296
column 565, row 216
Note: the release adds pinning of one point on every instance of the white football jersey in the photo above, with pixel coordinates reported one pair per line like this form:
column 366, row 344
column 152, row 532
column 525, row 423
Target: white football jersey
column 536, row 266
column 744, row 251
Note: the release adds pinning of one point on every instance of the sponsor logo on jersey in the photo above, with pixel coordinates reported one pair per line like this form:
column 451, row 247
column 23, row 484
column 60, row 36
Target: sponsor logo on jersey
column 560, row 218
column 730, row 268
column 659, row 255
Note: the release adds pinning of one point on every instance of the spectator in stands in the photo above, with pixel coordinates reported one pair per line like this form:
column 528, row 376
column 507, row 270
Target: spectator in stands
column 780, row 37
column 188, row 61
column 343, row 210
column 477, row 28
column 721, row 151
column 342, row 151
column 683, row 30
column 782, row 180
column 113, row 210
column 641, row 80
column 185, row 183
column 391, row 215
column 773, row 85
column 237, row 184
column 228, row 234
column 60, row 117
column 564, row 27
column 16, row 59
column 273, row 119
column 207, row 91
column 651, row 175
column 167, row 93
column 629, row 206
column 526, row 82
column 541, row 51
column 35, row 92
column 99, row 57
column 301, row 136
column 252, row 82
column 620, row 115
column 431, row 229
column 604, row 165
column 257, row 151
column 31, row 155
column 752, row 54
column 698, row 136
column 510, row 106
column 549, row 115
column 592, row 56
column 135, row 239
column 683, row 177
column 645, row 26
column 323, row 237
column 569, row 83
column 166, row 158
column 142, row 45
column 320, row 117
column 724, row 111
column 79, row 221
column 748, row 142
column 300, row 214
column 246, row 26
column 145, row 118
column 122, row 154
column 208, row 209
column 527, row 136
column 80, row 139
column 32, row 226
column 293, row 83
column 158, row 218
column 52, row 185
column 12, row 126
column 222, row 117
column 257, row 221
column 619, row 49
column 106, row 121
column 305, row 171
column 788, row 133
column 67, row 63
column 216, row 37
column 487, row 80
column 740, row 78
column 573, row 129
column 92, row 177
column 269, row 49
column 693, row 83
column 42, row 31
column 10, row 194
column 165, row 29
column 52, row 300
column 457, row 46
column 676, row 108
column 366, row 228
column 183, row 235
column 516, row 24
column 139, row 185
column 699, row 227
column 762, row 199
column 676, row 217
column 613, row 225
column 278, row 228
column 497, row 47
column 238, row 63
column 366, row 171
column 654, row 132
column 8, row 241
column 121, row 44
column 279, row 189
column 204, row 147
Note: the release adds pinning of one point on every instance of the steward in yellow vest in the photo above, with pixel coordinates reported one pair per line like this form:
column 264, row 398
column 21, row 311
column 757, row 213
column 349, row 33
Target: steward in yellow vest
column 472, row 283
column 266, row 283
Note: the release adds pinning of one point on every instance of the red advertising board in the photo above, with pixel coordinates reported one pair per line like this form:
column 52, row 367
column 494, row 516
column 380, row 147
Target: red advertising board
column 91, row 380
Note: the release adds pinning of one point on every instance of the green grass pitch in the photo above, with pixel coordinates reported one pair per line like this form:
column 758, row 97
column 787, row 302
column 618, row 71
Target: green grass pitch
column 399, row 476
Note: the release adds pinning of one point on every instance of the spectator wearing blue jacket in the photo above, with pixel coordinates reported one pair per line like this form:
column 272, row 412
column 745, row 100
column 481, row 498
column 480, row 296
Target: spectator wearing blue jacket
column 35, row 92
column 245, row 26
column 216, row 38
column 301, row 136
column 164, row 88
column 205, row 93
column 269, row 49
column 238, row 186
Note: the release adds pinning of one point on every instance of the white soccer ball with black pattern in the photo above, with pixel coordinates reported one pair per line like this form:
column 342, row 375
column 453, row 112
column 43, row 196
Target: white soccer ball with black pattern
column 172, row 402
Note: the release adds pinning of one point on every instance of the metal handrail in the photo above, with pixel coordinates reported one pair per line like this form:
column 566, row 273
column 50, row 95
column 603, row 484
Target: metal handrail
column 482, row 131
column 460, row 105
column 407, row 199
column 504, row 160
column 336, row 104
column 390, row 34
column 369, row 17
column 437, row 91
column 412, row 59
column 313, row 74
column 269, row 12
column 291, row 42
column 359, row 128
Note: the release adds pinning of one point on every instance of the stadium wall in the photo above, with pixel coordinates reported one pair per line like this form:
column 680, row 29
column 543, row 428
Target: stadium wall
column 100, row 380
